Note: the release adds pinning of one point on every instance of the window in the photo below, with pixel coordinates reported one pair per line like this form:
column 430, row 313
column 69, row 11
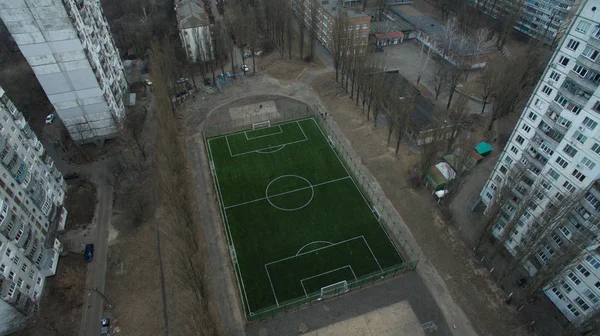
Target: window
column 566, row 286
column 31, row 273
column 560, row 100
column 580, row 70
column 561, row 162
column 573, row 45
column 16, row 260
column 498, row 179
column 579, row 137
column 39, row 280
column 583, row 26
column 553, row 174
column 493, row 186
column 358, row 26
column 573, row 310
column 583, row 270
column 514, row 149
column 503, row 169
column 582, row 303
column 569, row 186
column 547, row 90
column 8, row 252
column 578, row 175
column 2, row 268
column 555, row 76
column 538, row 102
column 589, row 123
column 520, row 140
column 543, row 256
column 35, row 294
column 365, row 26
column 11, row 275
column 24, row 267
column 593, row 262
column 20, row 283
column 566, row 232
column 549, row 249
column 569, row 150
column 557, row 239
column 557, row 292
column 575, row 109
column 590, row 53
column 489, row 195
column 588, row 163
column 574, row 278
column 508, row 160
column 597, row 285
column 526, row 128
column 593, row 298
column 563, row 60
column 532, row 116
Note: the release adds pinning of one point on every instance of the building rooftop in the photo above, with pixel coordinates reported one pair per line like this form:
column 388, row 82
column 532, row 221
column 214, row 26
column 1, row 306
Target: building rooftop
column 332, row 7
column 388, row 26
column 190, row 14
column 423, row 114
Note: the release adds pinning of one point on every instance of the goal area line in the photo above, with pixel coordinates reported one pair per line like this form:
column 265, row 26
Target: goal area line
column 266, row 148
column 327, row 272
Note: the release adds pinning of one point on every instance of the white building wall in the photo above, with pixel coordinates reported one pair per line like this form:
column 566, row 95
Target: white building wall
column 32, row 193
column 197, row 41
column 69, row 47
column 562, row 164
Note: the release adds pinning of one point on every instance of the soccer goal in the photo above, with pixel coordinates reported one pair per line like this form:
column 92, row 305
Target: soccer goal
column 334, row 289
column 261, row 124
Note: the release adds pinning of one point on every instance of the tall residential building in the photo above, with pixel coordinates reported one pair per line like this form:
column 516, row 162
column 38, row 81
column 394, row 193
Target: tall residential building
column 71, row 51
column 327, row 12
column 194, row 29
column 32, row 192
column 557, row 141
column 538, row 18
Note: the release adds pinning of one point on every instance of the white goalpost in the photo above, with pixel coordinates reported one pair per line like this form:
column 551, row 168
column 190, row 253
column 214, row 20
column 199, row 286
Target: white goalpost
column 334, row 289
column 261, row 124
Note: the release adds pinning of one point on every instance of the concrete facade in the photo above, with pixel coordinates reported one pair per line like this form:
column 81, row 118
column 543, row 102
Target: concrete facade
column 557, row 141
column 194, row 30
column 327, row 12
column 71, row 51
column 538, row 19
column 32, row 193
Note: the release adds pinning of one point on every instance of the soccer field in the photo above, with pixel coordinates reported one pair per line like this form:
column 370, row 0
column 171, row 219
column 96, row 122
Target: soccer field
column 296, row 219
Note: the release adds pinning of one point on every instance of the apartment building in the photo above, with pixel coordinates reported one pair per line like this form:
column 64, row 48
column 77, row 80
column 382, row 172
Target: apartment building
column 544, row 18
column 194, row 29
column 71, row 51
column 32, row 193
column 557, row 141
column 327, row 12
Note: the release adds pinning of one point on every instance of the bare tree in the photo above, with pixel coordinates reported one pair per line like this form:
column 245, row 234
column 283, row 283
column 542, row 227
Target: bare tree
column 432, row 145
column 314, row 26
column 489, row 81
column 424, row 57
column 453, row 79
column 511, row 14
column 479, row 43
column 439, row 80
column 339, row 40
column 458, row 116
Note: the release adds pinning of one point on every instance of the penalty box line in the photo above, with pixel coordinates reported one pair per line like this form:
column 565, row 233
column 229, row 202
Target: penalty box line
column 265, row 148
column 262, row 136
column 317, row 249
column 288, row 192
column 318, row 275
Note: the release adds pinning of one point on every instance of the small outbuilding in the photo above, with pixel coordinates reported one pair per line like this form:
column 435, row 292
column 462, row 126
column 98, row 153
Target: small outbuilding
column 483, row 148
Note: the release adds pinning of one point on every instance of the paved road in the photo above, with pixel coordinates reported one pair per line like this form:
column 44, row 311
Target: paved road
column 96, row 274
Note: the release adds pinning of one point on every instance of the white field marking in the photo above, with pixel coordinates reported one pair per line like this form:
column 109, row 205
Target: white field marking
column 260, row 149
column 265, row 151
column 283, row 123
column 262, row 136
column 360, row 192
column 273, row 289
column 287, row 192
column 222, row 205
column 312, row 195
column 320, row 248
column 315, row 242
column 226, row 140
column 374, row 257
column 331, row 271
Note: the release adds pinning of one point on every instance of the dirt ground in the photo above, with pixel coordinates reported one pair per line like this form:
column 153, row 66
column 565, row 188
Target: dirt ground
column 469, row 285
column 80, row 202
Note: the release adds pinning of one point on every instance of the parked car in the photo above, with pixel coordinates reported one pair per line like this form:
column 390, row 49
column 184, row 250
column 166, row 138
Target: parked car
column 88, row 255
column 147, row 82
column 105, row 322
column 246, row 55
column 521, row 282
column 228, row 74
column 71, row 176
column 50, row 118
column 208, row 81
column 244, row 67
column 258, row 52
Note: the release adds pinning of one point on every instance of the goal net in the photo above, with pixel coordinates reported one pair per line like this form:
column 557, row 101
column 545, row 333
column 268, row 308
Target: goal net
column 261, row 124
column 334, row 289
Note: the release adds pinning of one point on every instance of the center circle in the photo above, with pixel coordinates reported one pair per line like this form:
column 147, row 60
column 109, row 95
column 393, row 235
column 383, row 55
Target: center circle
column 287, row 189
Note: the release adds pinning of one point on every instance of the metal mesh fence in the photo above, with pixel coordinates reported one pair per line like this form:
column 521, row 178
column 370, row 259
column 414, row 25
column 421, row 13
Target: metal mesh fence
column 366, row 183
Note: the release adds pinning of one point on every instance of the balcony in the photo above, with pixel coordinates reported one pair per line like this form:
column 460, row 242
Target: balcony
column 584, row 82
column 578, row 97
column 551, row 117
column 535, row 161
column 546, row 144
column 594, row 41
column 589, row 63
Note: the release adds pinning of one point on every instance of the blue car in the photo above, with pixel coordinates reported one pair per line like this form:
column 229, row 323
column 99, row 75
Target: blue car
column 88, row 255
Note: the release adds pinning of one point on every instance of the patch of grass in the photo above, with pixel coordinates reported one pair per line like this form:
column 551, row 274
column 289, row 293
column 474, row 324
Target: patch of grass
column 294, row 214
column 80, row 202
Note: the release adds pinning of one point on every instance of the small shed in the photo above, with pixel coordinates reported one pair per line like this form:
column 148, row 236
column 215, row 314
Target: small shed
column 483, row 148
column 439, row 175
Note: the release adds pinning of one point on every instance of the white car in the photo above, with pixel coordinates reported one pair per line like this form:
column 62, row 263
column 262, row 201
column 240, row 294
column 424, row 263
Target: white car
column 50, row 118
column 244, row 67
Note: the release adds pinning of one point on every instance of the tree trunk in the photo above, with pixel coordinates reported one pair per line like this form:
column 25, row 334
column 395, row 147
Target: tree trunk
column 398, row 142
column 450, row 97
column 484, row 103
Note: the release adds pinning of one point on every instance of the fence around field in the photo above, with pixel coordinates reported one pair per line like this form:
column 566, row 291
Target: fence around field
column 365, row 181
column 226, row 125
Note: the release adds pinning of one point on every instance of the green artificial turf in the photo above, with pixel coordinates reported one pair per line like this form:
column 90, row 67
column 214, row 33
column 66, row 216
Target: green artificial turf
column 295, row 217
